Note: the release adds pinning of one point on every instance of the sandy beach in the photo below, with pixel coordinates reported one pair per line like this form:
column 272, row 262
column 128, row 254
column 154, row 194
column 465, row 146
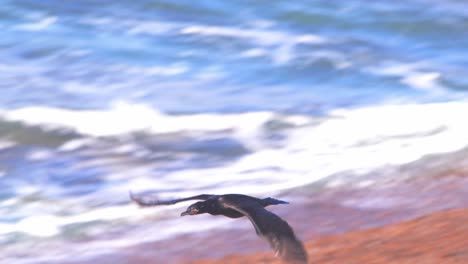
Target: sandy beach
column 429, row 225
column 419, row 220
column 435, row 238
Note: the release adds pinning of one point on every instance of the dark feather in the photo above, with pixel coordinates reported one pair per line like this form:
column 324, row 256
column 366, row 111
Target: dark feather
column 271, row 228
column 146, row 202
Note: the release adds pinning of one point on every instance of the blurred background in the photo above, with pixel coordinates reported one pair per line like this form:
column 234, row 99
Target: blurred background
column 172, row 98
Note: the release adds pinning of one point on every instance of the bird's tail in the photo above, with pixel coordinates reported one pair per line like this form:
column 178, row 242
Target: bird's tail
column 272, row 201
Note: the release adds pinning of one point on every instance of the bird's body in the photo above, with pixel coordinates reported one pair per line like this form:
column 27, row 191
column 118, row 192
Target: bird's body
column 267, row 225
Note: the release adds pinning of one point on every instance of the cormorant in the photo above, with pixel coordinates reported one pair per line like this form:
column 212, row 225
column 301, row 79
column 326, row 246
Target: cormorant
column 268, row 226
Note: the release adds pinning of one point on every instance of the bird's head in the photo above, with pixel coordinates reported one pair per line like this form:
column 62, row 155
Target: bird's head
column 196, row 208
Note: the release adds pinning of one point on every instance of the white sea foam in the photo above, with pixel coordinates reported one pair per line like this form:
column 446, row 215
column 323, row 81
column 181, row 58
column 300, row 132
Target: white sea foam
column 168, row 70
column 251, row 53
column 5, row 144
column 357, row 140
column 165, row 229
column 265, row 37
column 39, row 25
column 352, row 140
column 345, row 131
column 47, row 225
column 152, row 27
column 348, row 140
column 75, row 144
column 424, row 81
column 414, row 75
column 41, row 226
column 396, row 69
column 126, row 118
column 40, row 155
column 98, row 21
column 262, row 34
column 280, row 43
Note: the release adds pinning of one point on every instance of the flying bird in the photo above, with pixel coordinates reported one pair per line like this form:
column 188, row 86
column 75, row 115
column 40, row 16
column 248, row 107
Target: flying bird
column 268, row 225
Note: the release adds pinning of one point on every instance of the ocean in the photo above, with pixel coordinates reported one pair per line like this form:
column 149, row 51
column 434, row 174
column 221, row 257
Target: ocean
column 175, row 98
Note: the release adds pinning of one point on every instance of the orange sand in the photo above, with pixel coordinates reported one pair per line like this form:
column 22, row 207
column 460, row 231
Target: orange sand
column 441, row 237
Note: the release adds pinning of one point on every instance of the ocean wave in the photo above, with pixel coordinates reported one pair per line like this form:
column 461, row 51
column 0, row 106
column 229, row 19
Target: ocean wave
column 265, row 151
column 259, row 34
column 170, row 70
column 153, row 27
column 209, row 105
column 126, row 118
column 307, row 149
column 358, row 140
column 282, row 42
column 424, row 81
column 416, row 75
column 38, row 25
column 376, row 124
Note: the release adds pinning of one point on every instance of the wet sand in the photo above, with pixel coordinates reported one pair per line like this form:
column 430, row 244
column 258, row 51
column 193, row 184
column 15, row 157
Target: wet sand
column 352, row 225
column 440, row 237
column 418, row 220
column 337, row 227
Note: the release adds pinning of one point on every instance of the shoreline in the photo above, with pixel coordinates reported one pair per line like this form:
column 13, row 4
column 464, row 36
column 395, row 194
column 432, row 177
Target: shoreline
column 337, row 217
column 439, row 237
column 435, row 185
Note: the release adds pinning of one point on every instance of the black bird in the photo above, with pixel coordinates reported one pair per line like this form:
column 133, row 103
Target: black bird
column 267, row 225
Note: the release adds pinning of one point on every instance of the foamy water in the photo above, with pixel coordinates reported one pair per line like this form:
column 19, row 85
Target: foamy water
column 308, row 149
column 179, row 98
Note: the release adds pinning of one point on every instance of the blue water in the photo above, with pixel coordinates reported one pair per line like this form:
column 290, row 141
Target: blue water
column 86, row 54
column 178, row 97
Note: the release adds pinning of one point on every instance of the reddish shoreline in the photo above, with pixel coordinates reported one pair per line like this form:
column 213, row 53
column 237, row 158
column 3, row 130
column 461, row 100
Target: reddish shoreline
column 419, row 220
column 337, row 228
column 440, row 237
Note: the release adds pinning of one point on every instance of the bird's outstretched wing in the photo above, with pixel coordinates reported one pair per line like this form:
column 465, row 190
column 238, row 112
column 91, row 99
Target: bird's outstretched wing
column 141, row 201
column 271, row 228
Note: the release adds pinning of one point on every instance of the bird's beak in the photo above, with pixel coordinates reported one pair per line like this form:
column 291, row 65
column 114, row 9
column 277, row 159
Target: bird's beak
column 189, row 212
